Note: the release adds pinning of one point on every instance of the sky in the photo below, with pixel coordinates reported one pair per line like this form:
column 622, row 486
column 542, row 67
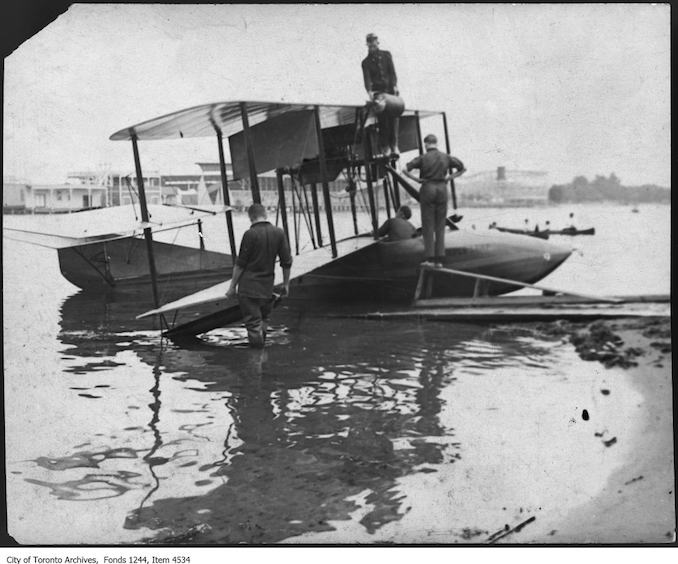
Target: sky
column 567, row 89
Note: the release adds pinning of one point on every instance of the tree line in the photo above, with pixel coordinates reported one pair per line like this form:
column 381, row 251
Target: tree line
column 603, row 189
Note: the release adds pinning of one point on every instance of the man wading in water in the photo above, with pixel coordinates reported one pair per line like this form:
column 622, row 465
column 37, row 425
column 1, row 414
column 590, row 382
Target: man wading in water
column 254, row 270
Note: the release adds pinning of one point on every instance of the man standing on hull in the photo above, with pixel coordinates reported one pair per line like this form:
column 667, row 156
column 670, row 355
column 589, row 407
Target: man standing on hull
column 253, row 274
column 380, row 78
column 435, row 170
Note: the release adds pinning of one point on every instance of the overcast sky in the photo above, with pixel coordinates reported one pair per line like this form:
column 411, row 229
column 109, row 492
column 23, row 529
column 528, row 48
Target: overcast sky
column 569, row 89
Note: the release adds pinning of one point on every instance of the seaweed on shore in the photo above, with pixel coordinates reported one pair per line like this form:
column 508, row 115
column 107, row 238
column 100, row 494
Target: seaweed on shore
column 598, row 341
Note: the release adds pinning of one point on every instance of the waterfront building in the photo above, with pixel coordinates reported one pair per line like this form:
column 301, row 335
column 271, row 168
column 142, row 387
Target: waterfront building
column 503, row 187
column 120, row 186
column 13, row 195
column 86, row 189
column 23, row 197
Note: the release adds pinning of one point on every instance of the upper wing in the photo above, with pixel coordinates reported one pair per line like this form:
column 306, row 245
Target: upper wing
column 201, row 121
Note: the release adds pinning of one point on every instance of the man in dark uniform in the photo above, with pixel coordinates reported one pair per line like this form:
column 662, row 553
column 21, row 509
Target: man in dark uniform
column 434, row 171
column 398, row 228
column 253, row 273
column 380, row 78
column 378, row 70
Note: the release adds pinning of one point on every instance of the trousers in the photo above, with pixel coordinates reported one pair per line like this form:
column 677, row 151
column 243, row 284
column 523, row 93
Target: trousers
column 255, row 312
column 388, row 132
column 389, row 122
column 433, row 204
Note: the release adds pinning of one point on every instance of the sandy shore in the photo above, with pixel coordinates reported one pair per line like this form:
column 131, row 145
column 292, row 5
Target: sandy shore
column 637, row 504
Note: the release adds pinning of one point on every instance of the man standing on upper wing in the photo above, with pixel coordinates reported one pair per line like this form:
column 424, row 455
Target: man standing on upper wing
column 380, row 78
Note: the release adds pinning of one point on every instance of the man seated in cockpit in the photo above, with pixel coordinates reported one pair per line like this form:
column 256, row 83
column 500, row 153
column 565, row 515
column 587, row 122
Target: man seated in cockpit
column 398, row 228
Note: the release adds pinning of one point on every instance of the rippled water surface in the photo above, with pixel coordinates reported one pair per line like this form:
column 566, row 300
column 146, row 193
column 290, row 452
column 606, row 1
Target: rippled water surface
column 341, row 430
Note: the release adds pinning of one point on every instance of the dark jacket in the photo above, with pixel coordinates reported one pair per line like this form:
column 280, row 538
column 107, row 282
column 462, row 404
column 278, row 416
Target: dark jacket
column 379, row 73
column 397, row 229
column 434, row 165
column 261, row 244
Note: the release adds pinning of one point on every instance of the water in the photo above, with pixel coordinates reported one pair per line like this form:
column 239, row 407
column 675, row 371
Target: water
column 339, row 431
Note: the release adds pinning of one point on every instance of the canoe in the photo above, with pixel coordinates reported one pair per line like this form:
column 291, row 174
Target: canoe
column 572, row 231
column 539, row 234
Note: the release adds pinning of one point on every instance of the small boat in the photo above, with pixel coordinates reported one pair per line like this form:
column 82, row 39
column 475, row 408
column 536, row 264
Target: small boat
column 539, row 234
column 572, row 231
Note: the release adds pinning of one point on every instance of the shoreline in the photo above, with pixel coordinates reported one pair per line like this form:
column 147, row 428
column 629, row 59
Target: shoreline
column 637, row 505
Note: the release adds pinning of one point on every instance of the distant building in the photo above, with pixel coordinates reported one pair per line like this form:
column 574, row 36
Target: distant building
column 49, row 198
column 210, row 191
column 504, row 187
column 90, row 189
column 202, row 188
column 13, row 195
column 120, row 186
column 22, row 197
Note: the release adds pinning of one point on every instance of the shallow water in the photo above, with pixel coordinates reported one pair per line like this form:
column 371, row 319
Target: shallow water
column 339, row 431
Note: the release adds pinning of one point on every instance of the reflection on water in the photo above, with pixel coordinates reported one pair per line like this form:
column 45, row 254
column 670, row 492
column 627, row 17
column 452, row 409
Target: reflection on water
column 91, row 486
column 336, row 432
column 84, row 459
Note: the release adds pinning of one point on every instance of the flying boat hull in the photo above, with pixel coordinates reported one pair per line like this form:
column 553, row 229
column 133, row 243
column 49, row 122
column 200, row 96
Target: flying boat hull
column 378, row 272
column 389, row 271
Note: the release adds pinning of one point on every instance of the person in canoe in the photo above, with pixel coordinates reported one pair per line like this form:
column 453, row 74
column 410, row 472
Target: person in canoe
column 571, row 227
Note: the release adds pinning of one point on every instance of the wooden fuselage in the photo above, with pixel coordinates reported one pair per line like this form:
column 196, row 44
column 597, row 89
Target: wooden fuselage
column 381, row 272
column 390, row 270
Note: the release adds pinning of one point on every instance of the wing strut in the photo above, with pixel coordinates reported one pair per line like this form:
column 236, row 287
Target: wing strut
column 326, row 186
column 447, row 147
column 148, row 235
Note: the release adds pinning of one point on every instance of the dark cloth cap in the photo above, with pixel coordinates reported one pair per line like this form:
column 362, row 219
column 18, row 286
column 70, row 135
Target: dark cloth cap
column 371, row 37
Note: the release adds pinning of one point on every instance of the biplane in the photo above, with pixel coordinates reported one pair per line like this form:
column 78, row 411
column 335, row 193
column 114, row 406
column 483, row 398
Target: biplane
column 103, row 250
column 311, row 144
